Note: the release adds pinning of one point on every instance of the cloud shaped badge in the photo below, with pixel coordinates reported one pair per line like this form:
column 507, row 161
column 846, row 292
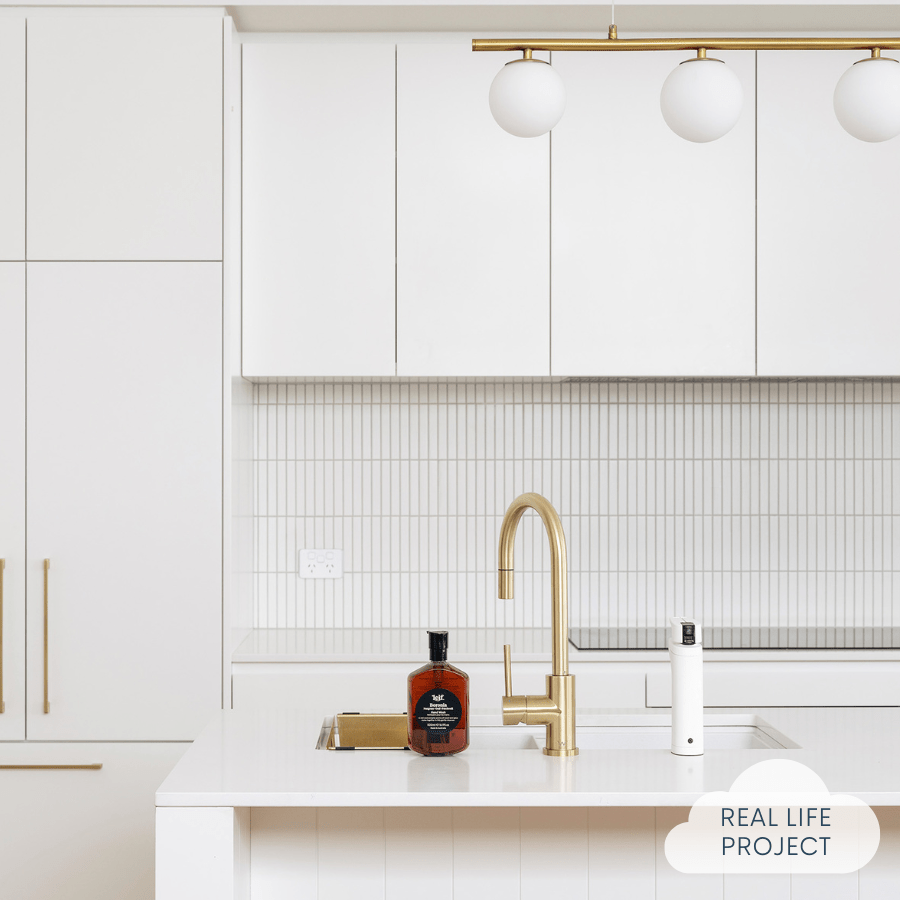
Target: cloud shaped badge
column 778, row 817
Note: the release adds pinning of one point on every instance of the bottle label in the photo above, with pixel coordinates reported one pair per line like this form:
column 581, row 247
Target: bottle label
column 438, row 711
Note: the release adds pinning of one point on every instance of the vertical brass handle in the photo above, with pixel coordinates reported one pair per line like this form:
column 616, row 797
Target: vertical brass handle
column 507, row 670
column 2, row 704
column 46, row 634
column 94, row 766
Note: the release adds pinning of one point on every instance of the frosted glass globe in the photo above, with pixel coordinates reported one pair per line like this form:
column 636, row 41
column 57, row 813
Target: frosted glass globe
column 867, row 99
column 701, row 100
column 527, row 97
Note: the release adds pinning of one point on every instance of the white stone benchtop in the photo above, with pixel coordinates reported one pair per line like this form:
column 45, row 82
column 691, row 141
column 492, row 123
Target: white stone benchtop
column 268, row 758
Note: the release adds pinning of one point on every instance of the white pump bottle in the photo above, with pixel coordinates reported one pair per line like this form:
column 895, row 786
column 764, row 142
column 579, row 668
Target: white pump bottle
column 686, row 656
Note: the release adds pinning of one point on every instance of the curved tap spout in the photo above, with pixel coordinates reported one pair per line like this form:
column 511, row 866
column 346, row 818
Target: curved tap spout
column 559, row 586
column 556, row 708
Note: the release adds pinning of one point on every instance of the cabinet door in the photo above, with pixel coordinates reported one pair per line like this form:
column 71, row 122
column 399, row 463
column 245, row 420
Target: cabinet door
column 12, row 138
column 124, row 138
column 318, row 209
column 829, row 302
column 81, row 834
column 12, row 500
column 473, row 238
column 124, row 498
column 653, row 236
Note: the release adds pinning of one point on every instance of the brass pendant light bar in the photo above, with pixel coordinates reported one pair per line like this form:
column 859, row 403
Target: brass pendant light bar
column 750, row 43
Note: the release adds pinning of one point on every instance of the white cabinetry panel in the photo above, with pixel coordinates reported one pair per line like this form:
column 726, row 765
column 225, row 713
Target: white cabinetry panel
column 418, row 849
column 283, row 864
column 487, row 853
column 318, row 209
column 473, row 278
column 124, row 498
column 653, row 236
column 828, row 295
column 124, row 138
column 12, row 139
column 82, row 834
column 622, row 850
column 670, row 883
column 554, row 853
column 12, row 497
column 345, row 835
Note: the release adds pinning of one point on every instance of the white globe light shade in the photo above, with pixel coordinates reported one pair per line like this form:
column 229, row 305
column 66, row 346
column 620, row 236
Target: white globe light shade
column 701, row 100
column 527, row 97
column 867, row 99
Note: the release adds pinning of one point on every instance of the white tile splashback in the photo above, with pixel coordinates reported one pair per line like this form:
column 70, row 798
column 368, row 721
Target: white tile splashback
column 750, row 503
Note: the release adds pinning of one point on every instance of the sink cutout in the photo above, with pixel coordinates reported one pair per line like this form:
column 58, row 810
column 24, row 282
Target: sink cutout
column 618, row 731
column 640, row 732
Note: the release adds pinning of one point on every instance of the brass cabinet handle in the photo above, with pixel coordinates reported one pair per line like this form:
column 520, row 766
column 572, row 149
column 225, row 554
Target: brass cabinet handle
column 46, row 633
column 53, row 766
column 2, row 704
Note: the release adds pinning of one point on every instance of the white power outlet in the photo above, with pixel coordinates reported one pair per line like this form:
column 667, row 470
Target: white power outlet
column 320, row 563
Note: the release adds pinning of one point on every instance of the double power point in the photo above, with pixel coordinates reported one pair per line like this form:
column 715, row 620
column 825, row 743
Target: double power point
column 320, row 563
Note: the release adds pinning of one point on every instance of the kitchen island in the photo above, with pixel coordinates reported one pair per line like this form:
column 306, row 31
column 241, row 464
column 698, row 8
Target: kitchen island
column 254, row 805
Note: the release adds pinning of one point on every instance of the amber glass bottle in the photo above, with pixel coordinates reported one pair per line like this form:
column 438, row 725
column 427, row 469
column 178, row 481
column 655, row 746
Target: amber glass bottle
column 438, row 696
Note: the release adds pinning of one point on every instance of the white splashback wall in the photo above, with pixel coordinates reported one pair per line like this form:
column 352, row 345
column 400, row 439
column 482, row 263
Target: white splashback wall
column 742, row 503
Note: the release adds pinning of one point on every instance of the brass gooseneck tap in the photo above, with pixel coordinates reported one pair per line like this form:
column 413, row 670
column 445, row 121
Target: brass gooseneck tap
column 556, row 709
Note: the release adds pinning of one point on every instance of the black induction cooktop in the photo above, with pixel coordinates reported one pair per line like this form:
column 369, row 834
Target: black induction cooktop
column 742, row 638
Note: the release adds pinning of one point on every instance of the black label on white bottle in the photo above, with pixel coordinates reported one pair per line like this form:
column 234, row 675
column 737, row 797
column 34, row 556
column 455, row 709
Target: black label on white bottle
column 438, row 711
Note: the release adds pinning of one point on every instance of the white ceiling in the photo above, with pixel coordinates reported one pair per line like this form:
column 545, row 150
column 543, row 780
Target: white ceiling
column 547, row 18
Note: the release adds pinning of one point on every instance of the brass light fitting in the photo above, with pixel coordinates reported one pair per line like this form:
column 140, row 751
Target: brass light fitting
column 699, row 103
column 613, row 42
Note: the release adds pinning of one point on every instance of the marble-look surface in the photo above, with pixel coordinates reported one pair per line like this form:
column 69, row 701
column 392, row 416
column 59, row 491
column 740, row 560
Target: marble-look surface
column 268, row 758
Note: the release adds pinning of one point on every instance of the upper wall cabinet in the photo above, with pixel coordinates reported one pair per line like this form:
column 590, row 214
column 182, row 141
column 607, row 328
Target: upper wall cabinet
column 124, row 138
column 829, row 303
column 12, row 139
column 653, row 236
column 473, row 268
column 318, row 209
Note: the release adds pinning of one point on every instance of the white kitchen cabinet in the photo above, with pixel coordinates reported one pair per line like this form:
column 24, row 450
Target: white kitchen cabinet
column 827, row 246
column 12, row 500
column 12, row 138
column 318, row 209
column 124, row 138
column 653, row 236
column 81, row 834
column 473, row 223
column 124, row 497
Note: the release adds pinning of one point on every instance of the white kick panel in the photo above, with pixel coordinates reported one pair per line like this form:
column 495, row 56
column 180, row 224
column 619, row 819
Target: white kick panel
column 746, row 503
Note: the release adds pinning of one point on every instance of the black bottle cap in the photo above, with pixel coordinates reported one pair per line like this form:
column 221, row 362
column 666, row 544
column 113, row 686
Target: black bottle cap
column 437, row 646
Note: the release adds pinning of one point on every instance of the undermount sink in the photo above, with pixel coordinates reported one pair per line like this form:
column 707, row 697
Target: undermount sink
column 637, row 732
column 613, row 731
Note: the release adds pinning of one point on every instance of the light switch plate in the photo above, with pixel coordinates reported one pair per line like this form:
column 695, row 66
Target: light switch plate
column 320, row 563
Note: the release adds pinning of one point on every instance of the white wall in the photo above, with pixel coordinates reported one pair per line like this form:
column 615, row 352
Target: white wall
column 740, row 502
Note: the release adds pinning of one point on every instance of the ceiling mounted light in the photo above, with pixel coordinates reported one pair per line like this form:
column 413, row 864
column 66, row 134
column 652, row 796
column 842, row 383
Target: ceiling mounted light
column 701, row 100
column 527, row 97
column 867, row 99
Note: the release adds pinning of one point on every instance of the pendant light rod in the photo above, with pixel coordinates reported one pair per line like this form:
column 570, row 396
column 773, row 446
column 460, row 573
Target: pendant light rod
column 752, row 43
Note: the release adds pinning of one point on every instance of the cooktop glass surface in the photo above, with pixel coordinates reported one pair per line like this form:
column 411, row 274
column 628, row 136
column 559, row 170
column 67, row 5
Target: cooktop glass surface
column 741, row 638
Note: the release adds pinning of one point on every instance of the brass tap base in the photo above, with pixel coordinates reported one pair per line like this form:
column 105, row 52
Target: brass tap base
column 549, row 752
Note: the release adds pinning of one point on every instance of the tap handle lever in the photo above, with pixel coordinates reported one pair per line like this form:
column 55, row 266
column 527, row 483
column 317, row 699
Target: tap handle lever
column 507, row 670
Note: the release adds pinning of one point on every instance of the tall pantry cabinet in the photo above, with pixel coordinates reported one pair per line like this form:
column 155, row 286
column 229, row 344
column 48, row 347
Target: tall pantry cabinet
column 111, row 452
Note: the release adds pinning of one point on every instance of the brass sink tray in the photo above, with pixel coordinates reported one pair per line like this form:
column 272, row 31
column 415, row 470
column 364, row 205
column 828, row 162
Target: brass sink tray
column 368, row 731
